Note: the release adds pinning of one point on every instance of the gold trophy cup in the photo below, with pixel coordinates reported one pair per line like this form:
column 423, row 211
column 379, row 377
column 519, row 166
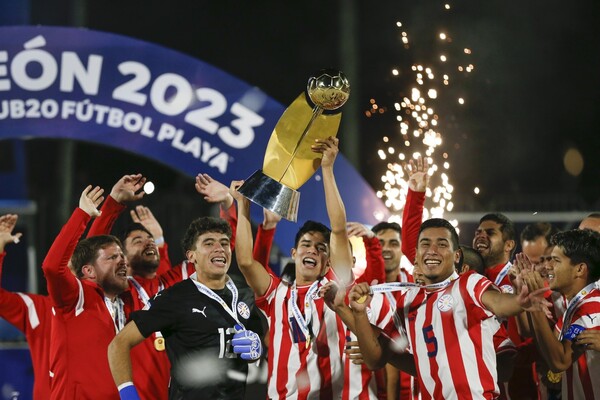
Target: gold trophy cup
column 289, row 161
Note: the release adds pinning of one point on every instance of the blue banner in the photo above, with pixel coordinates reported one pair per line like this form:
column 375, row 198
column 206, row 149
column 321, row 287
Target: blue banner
column 91, row 86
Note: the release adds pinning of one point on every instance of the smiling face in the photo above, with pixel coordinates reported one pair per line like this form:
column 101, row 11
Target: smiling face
column 109, row 270
column 311, row 257
column 391, row 248
column 489, row 243
column 562, row 274
column 436, row 256
column 142, row 253
column 212, row 256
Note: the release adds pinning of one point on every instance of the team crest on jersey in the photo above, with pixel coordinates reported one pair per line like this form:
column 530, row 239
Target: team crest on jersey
column 243, row 310
column 507, row 289
column 445, row 303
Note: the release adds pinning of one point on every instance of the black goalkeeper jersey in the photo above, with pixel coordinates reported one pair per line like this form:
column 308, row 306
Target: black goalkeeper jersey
column 197, row 332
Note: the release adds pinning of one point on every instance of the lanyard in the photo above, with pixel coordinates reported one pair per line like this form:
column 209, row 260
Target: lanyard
column 572, row 306
column 397, row 286
column 143, row 296
column 209, row 293
column 303, row 321
column 117, row 313
column 502, row 274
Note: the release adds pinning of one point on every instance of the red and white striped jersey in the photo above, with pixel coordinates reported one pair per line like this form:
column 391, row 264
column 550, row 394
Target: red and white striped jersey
column 299, row 368
column 31, row 314
column 359, row 380
column 581, row 381
column 451, row 337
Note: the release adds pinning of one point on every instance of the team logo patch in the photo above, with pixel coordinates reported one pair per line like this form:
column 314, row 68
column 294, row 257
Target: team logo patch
column 507, row 289
column 445, row 303
column 243, row 310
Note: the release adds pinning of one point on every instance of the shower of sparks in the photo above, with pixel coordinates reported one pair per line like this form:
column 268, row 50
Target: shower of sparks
column 419, row 134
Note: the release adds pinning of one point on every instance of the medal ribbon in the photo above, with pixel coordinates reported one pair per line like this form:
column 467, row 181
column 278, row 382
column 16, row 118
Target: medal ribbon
column 209, row 293
column 397, row 286
column 572, row 306
column 502, row 273
column 303, row 320
column 116, row 311
column 143, row 296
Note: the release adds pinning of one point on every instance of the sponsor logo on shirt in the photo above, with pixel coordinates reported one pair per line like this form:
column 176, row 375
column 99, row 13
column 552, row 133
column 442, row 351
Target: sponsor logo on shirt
column 195, row 310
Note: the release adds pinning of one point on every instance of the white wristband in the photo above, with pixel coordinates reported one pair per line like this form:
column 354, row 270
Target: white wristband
column 159, row 240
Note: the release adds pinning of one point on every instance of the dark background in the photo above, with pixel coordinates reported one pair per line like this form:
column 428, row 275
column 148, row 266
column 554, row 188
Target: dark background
column 532, row 95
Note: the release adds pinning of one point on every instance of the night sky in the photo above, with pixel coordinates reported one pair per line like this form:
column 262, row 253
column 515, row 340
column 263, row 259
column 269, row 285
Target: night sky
column 532, row 95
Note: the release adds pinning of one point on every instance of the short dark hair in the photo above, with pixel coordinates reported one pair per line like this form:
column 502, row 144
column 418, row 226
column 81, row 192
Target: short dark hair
column 537, row 229
column 441, row 223
column 312, row 226
column 473, row 259
column 200, row 226
column 507, row 227
column 581, row 246
column 387, row 225
column 135, row 226
column 86, row 251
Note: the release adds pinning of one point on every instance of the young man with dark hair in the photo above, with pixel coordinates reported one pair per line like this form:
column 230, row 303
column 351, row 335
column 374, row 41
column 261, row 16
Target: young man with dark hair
column 306, row 337
column 450, row 323
column 573, row 272
column 495, row 239
column 198, row 318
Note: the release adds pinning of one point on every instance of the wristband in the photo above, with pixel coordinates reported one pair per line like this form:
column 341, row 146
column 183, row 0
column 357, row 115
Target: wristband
column 159, row 240
column 127, row 391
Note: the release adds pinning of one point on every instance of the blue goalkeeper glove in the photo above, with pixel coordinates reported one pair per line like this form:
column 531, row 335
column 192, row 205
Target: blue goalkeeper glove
column 128, row 392
column 246, row 344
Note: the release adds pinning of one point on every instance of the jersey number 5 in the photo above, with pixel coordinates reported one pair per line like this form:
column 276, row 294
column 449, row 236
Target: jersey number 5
column 429, row 337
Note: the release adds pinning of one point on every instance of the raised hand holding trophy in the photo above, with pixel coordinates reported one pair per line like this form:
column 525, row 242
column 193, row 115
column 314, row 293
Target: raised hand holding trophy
column 289, row 161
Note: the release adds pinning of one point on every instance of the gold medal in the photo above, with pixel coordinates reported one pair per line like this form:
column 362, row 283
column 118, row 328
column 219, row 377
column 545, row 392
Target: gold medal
column 159, row 344
column 554, row 377
column 362, row 299
column 308, row 342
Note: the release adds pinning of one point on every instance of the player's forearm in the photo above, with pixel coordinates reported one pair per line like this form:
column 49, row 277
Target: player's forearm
column 551, row 349
column 501, row 304
column 119, row 360
column 368, row 341
column 333, row 201
column 110, row 211
column 243, row 249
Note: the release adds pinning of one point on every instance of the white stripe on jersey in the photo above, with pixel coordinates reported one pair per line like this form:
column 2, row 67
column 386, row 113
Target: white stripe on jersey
column 34, row 320
column 451, row 336
column 80, row 300
column 359, row 379
column 581, row 381
column 293, row 368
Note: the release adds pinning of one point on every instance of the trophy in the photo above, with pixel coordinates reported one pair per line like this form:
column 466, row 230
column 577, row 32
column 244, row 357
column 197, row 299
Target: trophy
column 289, row 161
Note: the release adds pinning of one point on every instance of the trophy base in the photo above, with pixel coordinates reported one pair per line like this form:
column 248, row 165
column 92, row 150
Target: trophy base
column 272, row 195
